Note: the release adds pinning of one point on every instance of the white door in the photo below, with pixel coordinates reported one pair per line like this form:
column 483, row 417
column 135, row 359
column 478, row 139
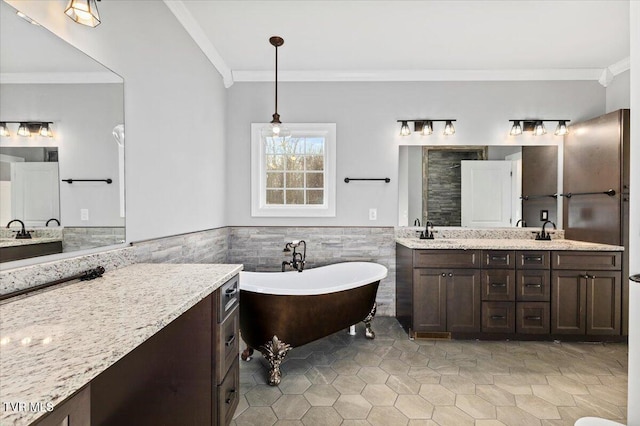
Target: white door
column 486, row 194
column 35, row 192
column 516, row 186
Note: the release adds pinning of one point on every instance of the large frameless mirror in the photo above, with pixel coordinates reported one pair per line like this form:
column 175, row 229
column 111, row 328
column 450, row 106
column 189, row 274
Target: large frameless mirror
column 65, row 183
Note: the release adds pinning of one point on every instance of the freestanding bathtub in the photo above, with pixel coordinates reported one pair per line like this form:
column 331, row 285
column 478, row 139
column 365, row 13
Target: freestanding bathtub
column 283, row 310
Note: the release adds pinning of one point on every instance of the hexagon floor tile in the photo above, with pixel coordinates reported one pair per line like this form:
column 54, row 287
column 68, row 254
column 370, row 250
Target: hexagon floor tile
column 350, row 380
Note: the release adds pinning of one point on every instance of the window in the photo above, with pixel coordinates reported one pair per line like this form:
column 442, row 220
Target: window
column 294, row 177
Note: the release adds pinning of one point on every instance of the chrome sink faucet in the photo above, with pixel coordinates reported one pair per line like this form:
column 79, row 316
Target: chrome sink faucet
column 298, row 259
column 22, row 234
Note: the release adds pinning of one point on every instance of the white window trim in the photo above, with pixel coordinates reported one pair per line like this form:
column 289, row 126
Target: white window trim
column 259, row 207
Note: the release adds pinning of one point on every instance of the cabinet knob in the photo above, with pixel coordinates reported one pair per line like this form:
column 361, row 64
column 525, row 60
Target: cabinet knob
column 444, row 275
column 450, row 274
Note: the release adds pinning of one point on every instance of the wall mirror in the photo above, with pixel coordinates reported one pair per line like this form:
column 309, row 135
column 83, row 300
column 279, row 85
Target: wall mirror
column 478, row 186
column 45, row 79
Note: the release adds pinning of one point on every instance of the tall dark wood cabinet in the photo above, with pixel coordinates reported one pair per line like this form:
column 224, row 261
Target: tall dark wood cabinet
column 596, row 160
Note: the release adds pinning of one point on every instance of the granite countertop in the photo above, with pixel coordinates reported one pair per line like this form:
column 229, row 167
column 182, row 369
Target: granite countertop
column 56, row 341
column 13, row 242
column 504, row 244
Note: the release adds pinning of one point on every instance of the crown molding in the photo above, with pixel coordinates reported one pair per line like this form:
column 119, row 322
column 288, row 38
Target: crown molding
column 59, row 78
column 421, row 75
column 620, row 66
column 185, row 18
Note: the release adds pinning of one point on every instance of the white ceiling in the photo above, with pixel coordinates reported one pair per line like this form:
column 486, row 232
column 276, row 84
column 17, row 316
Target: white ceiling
column 407, row 40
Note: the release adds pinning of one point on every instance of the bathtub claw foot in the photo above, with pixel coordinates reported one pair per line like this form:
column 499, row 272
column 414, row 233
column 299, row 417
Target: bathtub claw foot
column 368, row 332
column 246, row 354
column 274, row 352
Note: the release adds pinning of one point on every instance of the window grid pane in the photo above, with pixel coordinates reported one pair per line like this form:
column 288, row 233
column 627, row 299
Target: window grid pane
column 300, row 165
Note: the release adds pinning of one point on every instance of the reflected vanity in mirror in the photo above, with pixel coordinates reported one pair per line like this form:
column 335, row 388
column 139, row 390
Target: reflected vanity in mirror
column 44, row 79
column 478, row 186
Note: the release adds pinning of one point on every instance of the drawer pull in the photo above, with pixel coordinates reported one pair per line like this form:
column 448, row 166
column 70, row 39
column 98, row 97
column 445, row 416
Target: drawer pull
column 498, row 285
column 533, row 318
column 231, row 291
column 533, row 285
column 533, row 258
column 503, row 258
column 230, row 397
column 497, row 317
column 230, row 340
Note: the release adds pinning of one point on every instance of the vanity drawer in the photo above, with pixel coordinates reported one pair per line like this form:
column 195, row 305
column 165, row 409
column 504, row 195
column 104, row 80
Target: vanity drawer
column 227, row 344
column 498, row 285
column 498, row 259
column 533, row 286
column 532, row 318
column 588, row 260
column 498, row 317
column 446, row 258
column 227, row 297
column 228, row 395
column 533, row 259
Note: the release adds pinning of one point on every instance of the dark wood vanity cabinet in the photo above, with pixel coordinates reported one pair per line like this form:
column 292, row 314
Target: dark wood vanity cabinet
column 586, row 301
column 185, row 374
column 502, row 293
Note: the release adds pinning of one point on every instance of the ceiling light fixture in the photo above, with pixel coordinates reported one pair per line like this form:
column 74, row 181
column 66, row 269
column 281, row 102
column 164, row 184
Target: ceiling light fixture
column 424, row 126
column 27, row 128
column 84, row 12
column 536, row 127
column 275, row 127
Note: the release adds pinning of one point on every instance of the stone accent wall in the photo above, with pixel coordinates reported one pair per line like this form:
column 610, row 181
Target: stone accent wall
column 85, row 238
column 197, row 247
column 443, row 184
column 260, row 249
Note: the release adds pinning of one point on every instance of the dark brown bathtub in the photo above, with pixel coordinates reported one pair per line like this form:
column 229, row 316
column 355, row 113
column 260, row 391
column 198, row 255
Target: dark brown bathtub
column 279, row 311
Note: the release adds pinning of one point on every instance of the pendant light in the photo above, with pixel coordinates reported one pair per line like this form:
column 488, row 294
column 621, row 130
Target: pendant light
column 275, row 129
column 84, row 12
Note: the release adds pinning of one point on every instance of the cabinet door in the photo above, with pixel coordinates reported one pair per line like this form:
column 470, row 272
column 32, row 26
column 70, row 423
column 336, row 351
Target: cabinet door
column 464, row 301
column 568, row 302
column 603, row 302
column 429, row 299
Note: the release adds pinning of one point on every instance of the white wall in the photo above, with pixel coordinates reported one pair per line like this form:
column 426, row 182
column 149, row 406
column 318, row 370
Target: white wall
column 619, row 92
column 633, row 396
column 84, row 116
column 174, row 112
column 367, row 132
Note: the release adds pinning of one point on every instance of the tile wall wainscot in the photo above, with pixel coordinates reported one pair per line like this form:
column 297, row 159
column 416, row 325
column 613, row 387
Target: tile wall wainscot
column 487, row 233
column 83, row 238
column 260, row 249
column 197, row 247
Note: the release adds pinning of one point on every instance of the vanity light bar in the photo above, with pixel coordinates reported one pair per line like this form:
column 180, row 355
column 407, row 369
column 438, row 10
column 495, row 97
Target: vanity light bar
column 27, row 128
column 537, row 127
column 424, row 126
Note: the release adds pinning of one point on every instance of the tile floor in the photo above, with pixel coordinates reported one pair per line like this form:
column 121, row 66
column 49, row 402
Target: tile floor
column 348, row 380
